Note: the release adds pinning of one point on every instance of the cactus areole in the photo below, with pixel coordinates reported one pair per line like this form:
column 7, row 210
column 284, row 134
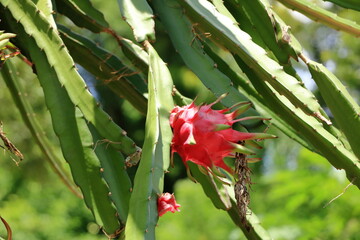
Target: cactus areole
column 205, row 136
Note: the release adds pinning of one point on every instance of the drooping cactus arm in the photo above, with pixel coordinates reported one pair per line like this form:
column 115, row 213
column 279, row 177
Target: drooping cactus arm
column 17, row 92
column 211, row 21
column 344, row 108
column 47, row 39
column 71, row 130
column 319, row 14
column 239, row 42
column 106, row 67
column 83, row 14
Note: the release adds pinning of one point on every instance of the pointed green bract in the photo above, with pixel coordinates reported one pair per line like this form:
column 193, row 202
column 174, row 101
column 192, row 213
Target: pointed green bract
column 344, row 108
column 320, row 14
column 139, row 15
column 243, row 108
column 47, row 40
column 220, row 127
column 155, row 159
column 179, row 99
column 5, row 38
column 242, row 149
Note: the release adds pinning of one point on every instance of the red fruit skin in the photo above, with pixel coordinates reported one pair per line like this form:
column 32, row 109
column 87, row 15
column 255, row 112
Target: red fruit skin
column 197, row 139
column 167, row 203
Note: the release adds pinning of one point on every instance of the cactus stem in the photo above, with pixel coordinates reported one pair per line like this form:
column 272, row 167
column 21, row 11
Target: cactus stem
column 304, row 58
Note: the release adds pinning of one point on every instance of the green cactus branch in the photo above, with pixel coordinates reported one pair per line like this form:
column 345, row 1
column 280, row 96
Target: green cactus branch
column 319, row 14
column 223, row 198
column 47, row 40
column 268, row 31
column 290, row 44
column 106, row 67
column 344, row 108
column 46, row 8
column 184, row 39
column 95, row 188
column 263, row 21
column 155, row 159
column 34, row 126
column 328, row 145
column 114, row 173
column 253, row 229
column 240, row 42
column 83, row 14
column 240, row 80
column 74, row 136
column 312, row 130
column 85, row 169
column 351, row 4
column 138, row 14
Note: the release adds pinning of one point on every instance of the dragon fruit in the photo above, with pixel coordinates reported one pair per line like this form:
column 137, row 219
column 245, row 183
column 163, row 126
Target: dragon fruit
column 205, row 136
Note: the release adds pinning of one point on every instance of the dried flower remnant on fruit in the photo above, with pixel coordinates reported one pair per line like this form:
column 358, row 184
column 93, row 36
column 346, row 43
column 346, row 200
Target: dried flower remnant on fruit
column 167, row 203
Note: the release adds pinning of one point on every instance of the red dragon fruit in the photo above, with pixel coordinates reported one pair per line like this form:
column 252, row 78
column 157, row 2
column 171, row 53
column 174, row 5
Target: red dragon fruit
column 205, row 136
column 167, row 203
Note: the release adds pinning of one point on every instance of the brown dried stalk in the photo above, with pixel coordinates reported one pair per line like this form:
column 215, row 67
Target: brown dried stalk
column 9, row 146
column 8, row 229
column 242, row 184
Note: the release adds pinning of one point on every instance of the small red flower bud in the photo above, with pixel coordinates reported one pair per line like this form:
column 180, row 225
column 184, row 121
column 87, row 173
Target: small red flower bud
column 205, row 136
column 166, row 202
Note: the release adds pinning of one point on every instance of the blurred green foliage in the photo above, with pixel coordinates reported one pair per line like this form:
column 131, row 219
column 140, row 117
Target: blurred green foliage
column 308, row 201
